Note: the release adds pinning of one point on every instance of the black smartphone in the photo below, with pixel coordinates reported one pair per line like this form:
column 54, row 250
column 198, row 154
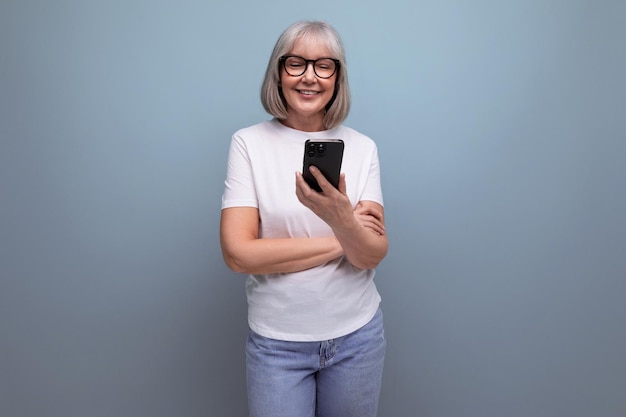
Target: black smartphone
column 326, row 155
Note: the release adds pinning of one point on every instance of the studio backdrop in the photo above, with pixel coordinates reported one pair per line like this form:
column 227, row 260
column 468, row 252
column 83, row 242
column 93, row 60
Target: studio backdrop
column 500, row 128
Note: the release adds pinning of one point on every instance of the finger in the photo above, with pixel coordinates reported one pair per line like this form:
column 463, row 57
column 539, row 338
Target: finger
column 360, row 209
column 369, row 211
column 369, row 218
column 321, row 179
column 376, row 224
column 300, row 182
column 342, row 183
column 372, row 226
column 305, row 194
column 301, row 188
column 376, row 230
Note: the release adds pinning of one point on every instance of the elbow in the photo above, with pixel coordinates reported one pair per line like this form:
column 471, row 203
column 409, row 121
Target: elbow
column 234, row 255
column 233, row 263
column 369, row 262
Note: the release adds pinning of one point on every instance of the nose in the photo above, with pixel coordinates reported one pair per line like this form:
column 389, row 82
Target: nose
column 309, row 72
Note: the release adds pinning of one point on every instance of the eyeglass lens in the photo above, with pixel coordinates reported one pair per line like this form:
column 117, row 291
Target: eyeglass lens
column 323, row 67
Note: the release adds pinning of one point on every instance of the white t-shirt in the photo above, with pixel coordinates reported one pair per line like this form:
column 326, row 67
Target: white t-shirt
column 323, row 302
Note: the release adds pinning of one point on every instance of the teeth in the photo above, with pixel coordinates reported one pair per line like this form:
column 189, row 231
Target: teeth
column 308, row 93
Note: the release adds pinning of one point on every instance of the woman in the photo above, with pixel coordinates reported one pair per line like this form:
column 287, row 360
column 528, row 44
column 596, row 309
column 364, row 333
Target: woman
column 316, row 343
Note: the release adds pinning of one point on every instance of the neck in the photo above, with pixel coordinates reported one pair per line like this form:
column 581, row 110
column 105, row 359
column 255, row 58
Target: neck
column 305, row 124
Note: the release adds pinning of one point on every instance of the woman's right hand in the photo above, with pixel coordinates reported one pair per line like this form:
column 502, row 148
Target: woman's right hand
column 360, row 230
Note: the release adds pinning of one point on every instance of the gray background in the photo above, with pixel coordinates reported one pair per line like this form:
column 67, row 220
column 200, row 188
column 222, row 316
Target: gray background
column 500, row 127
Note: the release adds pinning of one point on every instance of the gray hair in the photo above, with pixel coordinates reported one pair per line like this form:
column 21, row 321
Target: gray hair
column 271, row 92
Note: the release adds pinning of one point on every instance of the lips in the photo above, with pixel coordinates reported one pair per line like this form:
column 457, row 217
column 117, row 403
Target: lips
column 308, row 92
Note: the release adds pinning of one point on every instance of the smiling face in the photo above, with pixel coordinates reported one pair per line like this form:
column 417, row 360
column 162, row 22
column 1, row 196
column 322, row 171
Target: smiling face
column 307, row 95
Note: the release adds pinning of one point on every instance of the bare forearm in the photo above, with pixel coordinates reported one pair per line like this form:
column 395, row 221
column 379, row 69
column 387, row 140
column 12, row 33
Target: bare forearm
column 363, row 247
column 265, row 256
column 360, row 231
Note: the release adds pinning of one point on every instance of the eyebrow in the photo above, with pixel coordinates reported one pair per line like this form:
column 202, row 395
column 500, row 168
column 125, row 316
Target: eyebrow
column 307, row 59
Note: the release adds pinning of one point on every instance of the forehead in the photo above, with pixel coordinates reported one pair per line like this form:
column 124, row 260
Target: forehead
column 310, row 47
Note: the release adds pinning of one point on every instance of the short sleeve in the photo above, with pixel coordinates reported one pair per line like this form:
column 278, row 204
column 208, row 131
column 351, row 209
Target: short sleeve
column 239, row 188
column 373, row 190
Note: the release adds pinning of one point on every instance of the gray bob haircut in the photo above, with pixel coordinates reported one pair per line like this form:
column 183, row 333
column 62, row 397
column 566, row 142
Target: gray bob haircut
column 271, row 91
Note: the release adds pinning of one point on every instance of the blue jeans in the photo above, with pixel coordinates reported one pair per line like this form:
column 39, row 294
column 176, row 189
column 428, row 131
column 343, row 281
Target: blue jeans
column 332, row 378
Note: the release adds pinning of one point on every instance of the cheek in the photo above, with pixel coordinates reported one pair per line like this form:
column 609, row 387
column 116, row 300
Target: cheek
column 331, row 89
column 332, row 85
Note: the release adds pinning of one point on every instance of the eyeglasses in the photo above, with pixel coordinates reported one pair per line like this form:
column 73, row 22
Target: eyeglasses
column 322, row 67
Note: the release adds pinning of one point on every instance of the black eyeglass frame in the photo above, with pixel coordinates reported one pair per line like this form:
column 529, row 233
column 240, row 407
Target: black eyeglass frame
column 283, row 61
